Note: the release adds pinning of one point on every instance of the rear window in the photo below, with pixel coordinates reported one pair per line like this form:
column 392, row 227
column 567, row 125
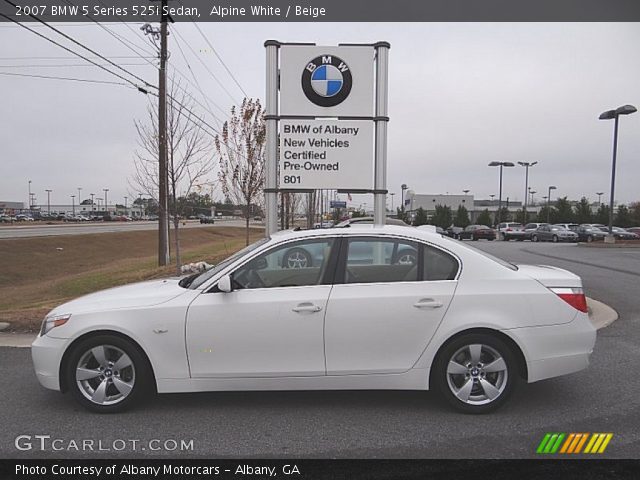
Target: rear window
column 502, row 262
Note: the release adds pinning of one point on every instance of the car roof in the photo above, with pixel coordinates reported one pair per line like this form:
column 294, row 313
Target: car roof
column 356, row 229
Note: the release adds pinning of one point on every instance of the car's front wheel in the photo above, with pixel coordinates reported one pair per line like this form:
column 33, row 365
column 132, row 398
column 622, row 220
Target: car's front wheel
column 107, row 373
column 554, row 239
column 534, row 238
column 475, row 373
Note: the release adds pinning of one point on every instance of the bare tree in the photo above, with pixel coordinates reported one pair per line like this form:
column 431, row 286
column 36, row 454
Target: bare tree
column 189, row 149
column 241, row 148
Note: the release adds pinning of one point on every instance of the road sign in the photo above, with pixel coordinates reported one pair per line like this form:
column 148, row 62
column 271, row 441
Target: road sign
column 327, row 81
column 337, row 204
column 332, row 154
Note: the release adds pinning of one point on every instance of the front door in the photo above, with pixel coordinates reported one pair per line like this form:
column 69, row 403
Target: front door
column 271, row 324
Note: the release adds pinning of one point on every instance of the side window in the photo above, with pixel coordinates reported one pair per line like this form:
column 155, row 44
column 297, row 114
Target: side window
column 294, row 264
column 371, row 260
column 439, row 265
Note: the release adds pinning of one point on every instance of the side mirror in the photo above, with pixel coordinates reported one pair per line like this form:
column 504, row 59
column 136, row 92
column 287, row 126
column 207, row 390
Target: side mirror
column 224, row 284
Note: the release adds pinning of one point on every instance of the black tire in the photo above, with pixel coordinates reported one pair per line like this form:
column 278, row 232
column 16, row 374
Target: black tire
column 474, row 238
column 554, row 239
column 535, row 238
column 589, row 239
column 504, row 382
column 297, row 258
column 503, row 237
column 143, row 384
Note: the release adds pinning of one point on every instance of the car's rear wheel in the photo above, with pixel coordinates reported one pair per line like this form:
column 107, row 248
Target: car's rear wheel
column 534, row 238
column 475, row 373
column 408, row 256
column 107, row 374
column 554, row 239
column 589, row 239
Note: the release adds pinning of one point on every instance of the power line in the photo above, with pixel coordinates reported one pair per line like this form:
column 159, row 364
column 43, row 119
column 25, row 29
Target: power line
column 106, row 82
column 195, row 79
column 65, row 65
column 213, row 75
column 74, row 53
column 67, row 58
column 79, row 44
column 195, row 24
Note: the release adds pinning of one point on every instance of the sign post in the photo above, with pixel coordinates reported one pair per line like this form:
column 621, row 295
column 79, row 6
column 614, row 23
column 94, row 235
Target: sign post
column 326, row 121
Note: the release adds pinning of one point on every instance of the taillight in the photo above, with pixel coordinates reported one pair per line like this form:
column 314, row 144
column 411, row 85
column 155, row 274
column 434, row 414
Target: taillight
column 573, row 296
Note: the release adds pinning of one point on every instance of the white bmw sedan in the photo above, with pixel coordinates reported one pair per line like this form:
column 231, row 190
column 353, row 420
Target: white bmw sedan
column 355, row 308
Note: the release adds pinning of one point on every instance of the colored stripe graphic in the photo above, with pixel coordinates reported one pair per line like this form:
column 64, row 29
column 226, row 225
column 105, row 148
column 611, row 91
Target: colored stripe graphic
column 573, row 443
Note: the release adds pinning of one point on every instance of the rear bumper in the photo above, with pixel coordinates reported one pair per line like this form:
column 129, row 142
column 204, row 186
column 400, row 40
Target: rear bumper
column 46, row 353
column 555, row 350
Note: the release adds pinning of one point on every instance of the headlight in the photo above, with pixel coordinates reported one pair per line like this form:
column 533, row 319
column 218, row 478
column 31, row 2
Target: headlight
column 52, row 322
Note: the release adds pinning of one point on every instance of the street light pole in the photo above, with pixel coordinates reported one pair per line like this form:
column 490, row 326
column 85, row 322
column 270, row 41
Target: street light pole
column 73, row 206
column 48, row 201
column 526, row 165
column 403, row 187
column 599, row 197
column 106, row 202
column 608, row 115
column 92, row 203
column 498, row 219
column 29, row 194
column 551, row 187
column 392, row 194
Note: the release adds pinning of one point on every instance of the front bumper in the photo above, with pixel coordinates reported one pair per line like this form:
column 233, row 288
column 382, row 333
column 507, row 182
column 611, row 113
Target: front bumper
column 46, row 353
column 555, row 350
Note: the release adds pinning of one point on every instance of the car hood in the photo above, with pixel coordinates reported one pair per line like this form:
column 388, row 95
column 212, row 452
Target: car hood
column 142, row 294
column 551, row 276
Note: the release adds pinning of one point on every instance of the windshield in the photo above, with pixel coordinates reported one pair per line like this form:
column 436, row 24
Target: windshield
column 195, row 281
column 504, row 263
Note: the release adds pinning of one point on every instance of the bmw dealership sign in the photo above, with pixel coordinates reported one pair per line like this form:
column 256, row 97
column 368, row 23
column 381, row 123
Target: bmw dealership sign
column 318, row 86
column 326, row 115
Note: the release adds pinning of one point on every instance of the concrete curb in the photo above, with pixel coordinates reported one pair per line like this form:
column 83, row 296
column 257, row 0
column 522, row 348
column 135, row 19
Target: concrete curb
column 20, row 340
column 601, row 315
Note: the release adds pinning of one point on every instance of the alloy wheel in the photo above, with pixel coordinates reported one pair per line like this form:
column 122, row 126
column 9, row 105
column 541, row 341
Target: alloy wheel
column 105, row 375
column 477, row 374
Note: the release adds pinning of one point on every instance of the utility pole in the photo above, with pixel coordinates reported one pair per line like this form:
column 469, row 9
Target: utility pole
column 163, row 220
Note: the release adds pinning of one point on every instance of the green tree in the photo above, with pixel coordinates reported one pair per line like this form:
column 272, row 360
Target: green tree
column 358, row 213
column 547, row 215
column 623, row 217
column 462, row 217
column 583, row 211
column 634, row 213
column 503, row 216
column 421, row 217
column 401, row 214
column 519, row 217
column 602, row 215
column 442, row 217
column 484, row 218
column 564, row 211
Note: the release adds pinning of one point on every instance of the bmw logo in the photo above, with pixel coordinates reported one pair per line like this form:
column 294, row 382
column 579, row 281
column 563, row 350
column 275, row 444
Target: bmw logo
column 326, row 80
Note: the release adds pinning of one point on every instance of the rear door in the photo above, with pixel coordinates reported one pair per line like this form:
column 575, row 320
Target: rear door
column 388, row 299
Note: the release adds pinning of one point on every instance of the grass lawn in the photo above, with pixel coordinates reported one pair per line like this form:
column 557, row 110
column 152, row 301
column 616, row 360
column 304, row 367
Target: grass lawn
column 39, row 273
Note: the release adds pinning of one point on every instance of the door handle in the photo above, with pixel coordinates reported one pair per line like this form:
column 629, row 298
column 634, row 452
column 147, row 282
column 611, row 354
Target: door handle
column 307, row 307
column 427, row 303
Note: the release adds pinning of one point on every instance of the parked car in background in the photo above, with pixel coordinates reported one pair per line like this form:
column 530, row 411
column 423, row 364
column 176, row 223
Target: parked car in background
column 454, row 232
column 5, row 219
column 589, row 234
column 623, row 234
column 21, row 217
column 635, row 230
column 367, row 220
column 594, row 225
column 554, row 233
column 205, row 219
column 530, row 228
column 478, row 232
column 568, row 226
column 511, row 231
column 362, row 317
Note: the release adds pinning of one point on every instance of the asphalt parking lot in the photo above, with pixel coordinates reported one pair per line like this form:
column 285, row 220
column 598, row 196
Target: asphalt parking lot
column 353, row 424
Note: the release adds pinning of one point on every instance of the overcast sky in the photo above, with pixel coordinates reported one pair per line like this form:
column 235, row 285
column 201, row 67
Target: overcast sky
column 461, row 95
